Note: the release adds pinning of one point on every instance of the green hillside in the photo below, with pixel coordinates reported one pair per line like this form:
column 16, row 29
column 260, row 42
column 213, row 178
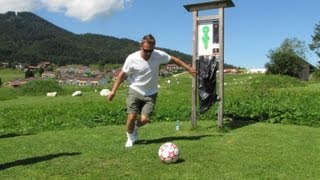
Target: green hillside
column 28, row 38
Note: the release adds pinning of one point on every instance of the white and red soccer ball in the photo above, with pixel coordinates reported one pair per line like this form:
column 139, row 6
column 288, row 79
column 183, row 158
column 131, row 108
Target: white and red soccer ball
column 168, row 152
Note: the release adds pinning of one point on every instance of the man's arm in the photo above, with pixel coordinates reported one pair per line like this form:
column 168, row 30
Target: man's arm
column 181, row 63
column 116, row 85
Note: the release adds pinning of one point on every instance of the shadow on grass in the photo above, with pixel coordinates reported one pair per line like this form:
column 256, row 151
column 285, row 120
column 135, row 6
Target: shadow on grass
column 236, row 122
column 12, row 135
column 177, row 162
column 33, row 160
column 171, row 138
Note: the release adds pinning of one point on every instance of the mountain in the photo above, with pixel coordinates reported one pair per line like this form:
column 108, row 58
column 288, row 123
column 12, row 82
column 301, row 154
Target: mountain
column 28, row 38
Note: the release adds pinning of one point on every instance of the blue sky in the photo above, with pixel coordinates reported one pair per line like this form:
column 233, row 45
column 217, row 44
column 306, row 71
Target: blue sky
column 252, row 27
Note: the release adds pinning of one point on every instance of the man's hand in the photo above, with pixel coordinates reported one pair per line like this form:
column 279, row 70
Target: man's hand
column 115, row 86
column 192, row 71
column 111, row 96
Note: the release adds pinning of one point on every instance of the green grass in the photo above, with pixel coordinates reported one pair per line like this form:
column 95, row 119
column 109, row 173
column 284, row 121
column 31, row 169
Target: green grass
column 76, row 137
column 7, row 94
column 242, row 151
column 10, row 74
column 298, row 105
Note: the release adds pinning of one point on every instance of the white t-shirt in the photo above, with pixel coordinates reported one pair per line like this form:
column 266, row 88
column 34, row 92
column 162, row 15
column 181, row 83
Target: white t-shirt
column 143, row 75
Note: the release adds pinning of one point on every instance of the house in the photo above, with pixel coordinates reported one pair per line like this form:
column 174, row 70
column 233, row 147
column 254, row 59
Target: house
column 97, row 81
column 172, row 67
column 48, row 74
column 31, row 68
column 84, row 81
column 68, row 81
column 257, row 71
column 306, row 69
column 21, row 66
column 82, row 69
column 5, row 64
column 62, row 81
column 163, row 72
column 15, row 83
column 44, row 64
column 19, row 82
column 230, row 71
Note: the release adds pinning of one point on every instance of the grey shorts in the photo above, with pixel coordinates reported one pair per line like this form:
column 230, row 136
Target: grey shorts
column 139, row 104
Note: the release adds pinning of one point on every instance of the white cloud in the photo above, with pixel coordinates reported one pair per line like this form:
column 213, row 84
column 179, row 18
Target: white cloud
column 83, row 10
column 18, row 5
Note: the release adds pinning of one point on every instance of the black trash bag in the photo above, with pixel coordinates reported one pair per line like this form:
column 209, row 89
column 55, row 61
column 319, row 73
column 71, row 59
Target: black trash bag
column 207, row 82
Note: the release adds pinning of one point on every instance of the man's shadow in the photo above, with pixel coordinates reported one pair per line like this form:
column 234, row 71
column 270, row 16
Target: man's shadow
column 33, row 160
column 12, row 135
column 172, row 138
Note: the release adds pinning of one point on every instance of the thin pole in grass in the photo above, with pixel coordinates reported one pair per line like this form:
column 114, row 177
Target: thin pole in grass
column 210, row 47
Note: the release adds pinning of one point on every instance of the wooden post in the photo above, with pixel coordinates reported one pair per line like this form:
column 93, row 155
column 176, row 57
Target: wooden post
column 221, row 68
column 194, row 79
column 214, row 4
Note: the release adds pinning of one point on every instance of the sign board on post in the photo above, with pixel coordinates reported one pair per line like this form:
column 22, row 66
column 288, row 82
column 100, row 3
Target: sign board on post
column 205, row 43
column 208, row 38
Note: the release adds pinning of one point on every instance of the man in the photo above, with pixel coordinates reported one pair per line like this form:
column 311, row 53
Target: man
column 142, row 69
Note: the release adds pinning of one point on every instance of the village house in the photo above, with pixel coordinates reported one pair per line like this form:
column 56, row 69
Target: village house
column 230, row 71
column 44, row 64
column 172, row 67
column 19, row 82
column 68, row 80
column 84, row 81
column 4, row 64
column 306, row 69
column 257, row 71
column 97, row 81
column 21, row 66
column 48, row 74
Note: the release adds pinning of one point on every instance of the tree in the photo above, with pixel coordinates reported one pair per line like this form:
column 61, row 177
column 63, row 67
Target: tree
column 284, row 63
column 288, row 59
column 41, row 71
column 315, row 44
column 28, row 73
column 295, row 46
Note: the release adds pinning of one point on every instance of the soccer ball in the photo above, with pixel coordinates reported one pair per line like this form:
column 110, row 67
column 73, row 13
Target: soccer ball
column 168, row 153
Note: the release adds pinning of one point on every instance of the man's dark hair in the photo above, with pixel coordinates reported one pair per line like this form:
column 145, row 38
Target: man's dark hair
column 148, row 39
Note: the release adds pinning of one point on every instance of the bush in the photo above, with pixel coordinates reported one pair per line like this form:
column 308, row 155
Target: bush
column 275, row 81
column 275, row 99
column 7, row 94
column 40, row 88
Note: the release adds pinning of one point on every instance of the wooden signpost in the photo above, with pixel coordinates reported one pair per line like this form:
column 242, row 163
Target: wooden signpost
column 208, row 39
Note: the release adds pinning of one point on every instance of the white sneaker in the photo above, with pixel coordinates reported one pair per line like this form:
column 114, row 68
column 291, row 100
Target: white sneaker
column 135, row 134
column 129, row 142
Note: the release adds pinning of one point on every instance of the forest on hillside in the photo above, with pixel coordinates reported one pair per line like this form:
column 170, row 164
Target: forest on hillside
column 28, row 38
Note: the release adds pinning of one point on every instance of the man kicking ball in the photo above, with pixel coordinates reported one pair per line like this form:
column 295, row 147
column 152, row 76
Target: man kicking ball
column 142, row 71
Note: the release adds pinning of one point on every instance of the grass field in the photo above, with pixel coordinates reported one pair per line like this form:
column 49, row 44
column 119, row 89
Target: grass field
column 242, row 151
column 83, row 137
